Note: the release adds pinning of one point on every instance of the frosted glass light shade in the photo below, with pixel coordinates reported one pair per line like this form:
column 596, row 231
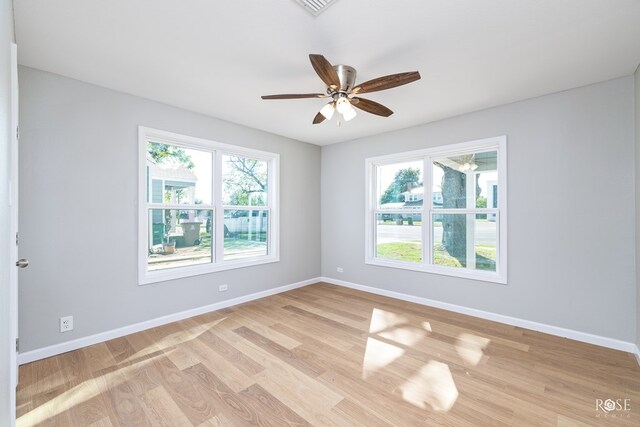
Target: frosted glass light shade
column 342, row 105
column 349, row 114
column 327, row 111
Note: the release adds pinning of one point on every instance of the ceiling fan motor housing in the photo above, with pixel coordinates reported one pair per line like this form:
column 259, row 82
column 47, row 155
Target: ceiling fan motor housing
column 347, row 76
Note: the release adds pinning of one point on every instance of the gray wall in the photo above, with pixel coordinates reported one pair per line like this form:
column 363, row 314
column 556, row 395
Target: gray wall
column 78, row 217
column 637, row 120
column 570, row 174
column 6, row 38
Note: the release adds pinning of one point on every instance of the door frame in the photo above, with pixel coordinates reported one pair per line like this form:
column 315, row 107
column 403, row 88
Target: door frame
column 13, row 227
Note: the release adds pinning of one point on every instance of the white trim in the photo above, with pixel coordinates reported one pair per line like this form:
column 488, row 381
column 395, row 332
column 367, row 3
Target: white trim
column 448, row 150
column 167, row 274
column 514, row 321
column 498, row 143
column 187, row 141
column 52, row 350
column 56, row 349
column 13, row 244
column 217, row 149
column 478, row 275
column 218, row 232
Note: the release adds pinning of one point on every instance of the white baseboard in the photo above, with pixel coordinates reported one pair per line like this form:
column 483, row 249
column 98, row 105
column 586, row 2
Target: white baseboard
column 64, row 347
column 52, row 350
column 527, row 324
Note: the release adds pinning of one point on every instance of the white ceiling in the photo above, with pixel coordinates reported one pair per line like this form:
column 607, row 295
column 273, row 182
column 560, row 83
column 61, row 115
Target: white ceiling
column 217, row 57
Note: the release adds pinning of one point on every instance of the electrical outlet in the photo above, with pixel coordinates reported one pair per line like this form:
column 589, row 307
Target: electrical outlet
column 66, row 324
column 339, row 270
column 223, row 288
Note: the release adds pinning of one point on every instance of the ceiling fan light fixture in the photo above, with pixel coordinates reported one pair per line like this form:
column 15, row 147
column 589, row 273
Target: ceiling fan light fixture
column 328, row 110
column 468, row 167
column 343, row 104
column 349, row 114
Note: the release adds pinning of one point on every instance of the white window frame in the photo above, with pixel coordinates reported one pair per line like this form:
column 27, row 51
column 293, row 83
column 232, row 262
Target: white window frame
column 427, row 156
column 217, row 149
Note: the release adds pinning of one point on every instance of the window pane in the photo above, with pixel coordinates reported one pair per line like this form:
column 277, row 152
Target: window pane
column 244, row 181
column 454, row 233
column 399, row 185
column 178, row 175
column 179, row 238
column 399, row 237
column 457, row 179
column 245, row 233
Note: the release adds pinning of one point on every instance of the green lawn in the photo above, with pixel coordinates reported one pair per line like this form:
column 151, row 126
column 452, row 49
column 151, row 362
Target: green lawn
column 401, row 251
column 412, row 252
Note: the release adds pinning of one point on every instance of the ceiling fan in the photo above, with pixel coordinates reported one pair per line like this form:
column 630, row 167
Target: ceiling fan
column 341, row 88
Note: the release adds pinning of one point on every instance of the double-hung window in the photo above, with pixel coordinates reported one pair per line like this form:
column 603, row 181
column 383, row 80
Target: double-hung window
column 440, row 210
column 204, row 206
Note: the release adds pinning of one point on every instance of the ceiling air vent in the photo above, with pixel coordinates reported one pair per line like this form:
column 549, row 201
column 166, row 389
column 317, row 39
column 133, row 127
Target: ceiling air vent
column 315, row 7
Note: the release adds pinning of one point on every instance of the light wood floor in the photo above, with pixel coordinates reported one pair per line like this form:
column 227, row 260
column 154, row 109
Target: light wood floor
column 324, row 355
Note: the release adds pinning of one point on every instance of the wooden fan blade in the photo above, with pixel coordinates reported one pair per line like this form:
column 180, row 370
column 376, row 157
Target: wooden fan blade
column 295, row 96
column 325, row 70
column 371, row 107
column 387, row 82
column 319, row 118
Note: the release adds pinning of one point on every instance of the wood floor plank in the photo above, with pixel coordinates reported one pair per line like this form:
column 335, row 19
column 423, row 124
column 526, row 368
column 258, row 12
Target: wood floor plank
column 300, row 324
column 120, row 349
column 241, row 361
column 91, row 410
column 277, row 350
column 98, row 357
column 229, row 402
column 265, row 403
column 243, row 319
column 183, row 358
column 128, row 406
column 310, row 398
column 218, row 421
column 324, row 355
column 162, row 410
column 335, row 325
column 195, row 405
column 361, row 324
column 359, row 415
column 102, row 422
column 230, row 374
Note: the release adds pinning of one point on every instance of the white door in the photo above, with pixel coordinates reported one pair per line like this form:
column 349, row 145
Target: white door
column 13, row 188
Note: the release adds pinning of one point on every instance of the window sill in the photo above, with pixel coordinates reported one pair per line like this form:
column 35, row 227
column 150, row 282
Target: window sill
column 482, row 276
column 149, row 277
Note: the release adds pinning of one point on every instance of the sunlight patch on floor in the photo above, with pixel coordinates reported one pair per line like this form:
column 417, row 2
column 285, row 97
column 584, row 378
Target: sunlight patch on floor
column 382, row 320
column 81, row 393
column 377, row 355
column 471, row 347
column 406, row 335
column 433, row 385
column 50, row 382
column 175, row 339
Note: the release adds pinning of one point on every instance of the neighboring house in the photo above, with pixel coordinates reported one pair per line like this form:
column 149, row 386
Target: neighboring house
column 165, row 184
column 414, row 197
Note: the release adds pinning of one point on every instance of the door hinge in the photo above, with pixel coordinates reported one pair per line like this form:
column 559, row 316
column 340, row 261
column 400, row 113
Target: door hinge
column 17, row 132
column 17, row 345
column 16, row 239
